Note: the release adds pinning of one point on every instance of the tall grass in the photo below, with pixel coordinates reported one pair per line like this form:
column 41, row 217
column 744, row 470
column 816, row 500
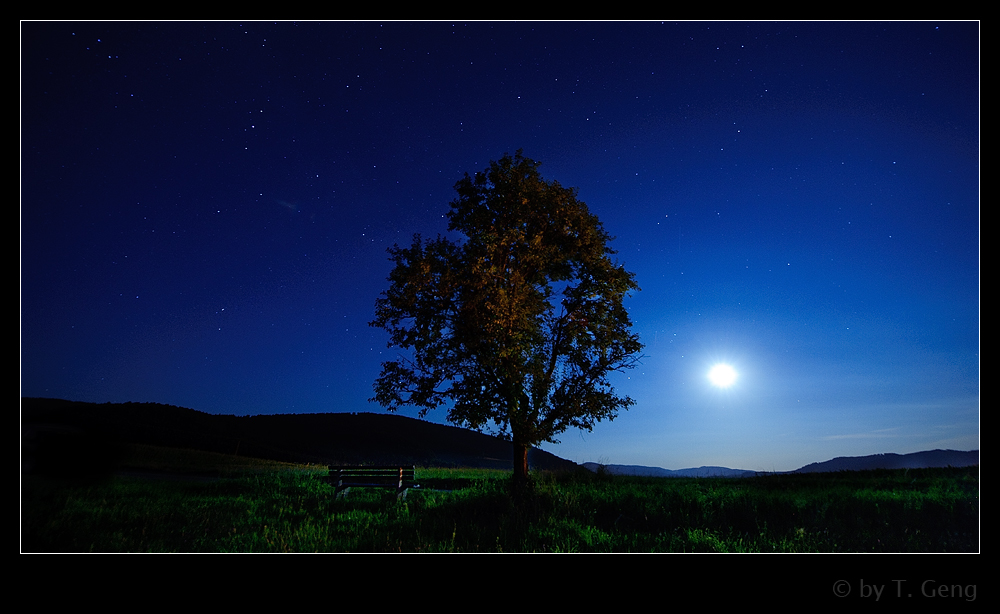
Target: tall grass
column 472, row 511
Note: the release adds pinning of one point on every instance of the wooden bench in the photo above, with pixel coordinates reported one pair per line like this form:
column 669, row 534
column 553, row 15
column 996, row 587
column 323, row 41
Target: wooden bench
column 380, row 476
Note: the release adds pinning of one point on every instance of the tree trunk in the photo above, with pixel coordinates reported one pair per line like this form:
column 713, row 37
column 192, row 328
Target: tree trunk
column 520, row 434
column 521, row 484
column 520, row 463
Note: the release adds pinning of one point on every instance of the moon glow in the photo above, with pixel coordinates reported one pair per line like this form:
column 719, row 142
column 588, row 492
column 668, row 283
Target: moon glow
column 722, row 376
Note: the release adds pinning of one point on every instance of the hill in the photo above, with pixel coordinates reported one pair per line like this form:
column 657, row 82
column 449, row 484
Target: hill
column 56, row 432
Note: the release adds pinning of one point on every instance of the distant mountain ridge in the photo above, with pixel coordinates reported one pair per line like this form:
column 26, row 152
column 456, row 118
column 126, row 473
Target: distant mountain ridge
column 915, row 460
column 657, row 472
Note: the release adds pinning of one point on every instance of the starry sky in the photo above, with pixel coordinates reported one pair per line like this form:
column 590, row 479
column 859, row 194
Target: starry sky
column 206, row 208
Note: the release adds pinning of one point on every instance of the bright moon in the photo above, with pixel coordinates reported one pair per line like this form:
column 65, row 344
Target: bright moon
column 722, row 376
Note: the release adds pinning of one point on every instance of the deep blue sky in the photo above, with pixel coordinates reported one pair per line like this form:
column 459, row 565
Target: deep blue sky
column 205, row 209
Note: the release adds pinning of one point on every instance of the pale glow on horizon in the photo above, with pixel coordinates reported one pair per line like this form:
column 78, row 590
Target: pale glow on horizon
column 722, row 375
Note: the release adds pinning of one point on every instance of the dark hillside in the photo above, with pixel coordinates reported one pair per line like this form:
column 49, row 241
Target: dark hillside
column 56, row 432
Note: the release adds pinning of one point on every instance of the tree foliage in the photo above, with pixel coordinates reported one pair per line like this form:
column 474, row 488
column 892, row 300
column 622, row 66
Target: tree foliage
column 517, row 326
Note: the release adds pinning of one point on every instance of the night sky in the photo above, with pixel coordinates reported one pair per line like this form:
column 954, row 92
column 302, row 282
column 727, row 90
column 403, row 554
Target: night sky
column 206, row 208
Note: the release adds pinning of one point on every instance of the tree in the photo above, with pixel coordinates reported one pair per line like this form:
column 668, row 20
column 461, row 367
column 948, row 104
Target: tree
column 517, row 325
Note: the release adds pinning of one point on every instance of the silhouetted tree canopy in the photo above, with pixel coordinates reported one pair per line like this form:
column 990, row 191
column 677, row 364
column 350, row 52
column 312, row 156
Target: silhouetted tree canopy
column 517, row 326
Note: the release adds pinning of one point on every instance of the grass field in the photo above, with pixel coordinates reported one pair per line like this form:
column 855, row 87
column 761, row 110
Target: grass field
column 216, row 503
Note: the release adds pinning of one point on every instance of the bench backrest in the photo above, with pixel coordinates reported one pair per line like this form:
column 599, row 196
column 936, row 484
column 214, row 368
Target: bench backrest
column 373, row 475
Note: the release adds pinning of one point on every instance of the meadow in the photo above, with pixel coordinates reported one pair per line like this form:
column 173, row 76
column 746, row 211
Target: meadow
column 216, row 503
